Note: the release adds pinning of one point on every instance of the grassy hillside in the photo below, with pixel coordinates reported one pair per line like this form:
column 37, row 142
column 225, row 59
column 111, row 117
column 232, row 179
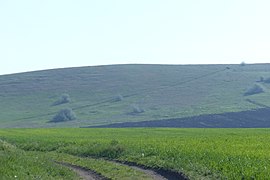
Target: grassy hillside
column 124, row 93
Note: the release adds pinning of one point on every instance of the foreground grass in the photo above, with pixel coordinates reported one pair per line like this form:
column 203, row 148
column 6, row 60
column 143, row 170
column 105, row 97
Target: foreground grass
column 108, row 169
column 18, row 164
column 198, row 153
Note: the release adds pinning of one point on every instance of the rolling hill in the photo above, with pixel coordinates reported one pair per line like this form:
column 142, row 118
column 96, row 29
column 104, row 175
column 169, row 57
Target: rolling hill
column 102, row 95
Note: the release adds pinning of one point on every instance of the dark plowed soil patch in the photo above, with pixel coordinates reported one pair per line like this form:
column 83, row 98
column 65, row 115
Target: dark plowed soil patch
column 84, row 173
column 258, row 118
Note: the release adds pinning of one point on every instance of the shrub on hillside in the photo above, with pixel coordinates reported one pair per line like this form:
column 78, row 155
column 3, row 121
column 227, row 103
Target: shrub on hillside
column 64, row 115
column 264, row 80
column 65, row 98
column 136, row 109
column 242, row 63
column 119, row 97
column 267, row 80
column 261, row 79
column 255, row 89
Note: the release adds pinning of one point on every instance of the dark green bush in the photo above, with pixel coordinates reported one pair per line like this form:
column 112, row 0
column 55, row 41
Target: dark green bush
column 119, row 97
column 255, row 89
column 267, row 80
column 136, row 109
column 65, row 98
column 64, row 115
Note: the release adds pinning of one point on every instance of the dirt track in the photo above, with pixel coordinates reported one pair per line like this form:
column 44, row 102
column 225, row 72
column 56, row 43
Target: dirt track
column 88, row 174
column 84, row 173
column 156, row 174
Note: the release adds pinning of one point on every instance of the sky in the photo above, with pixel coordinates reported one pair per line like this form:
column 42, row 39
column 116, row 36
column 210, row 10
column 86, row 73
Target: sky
column 46, row 34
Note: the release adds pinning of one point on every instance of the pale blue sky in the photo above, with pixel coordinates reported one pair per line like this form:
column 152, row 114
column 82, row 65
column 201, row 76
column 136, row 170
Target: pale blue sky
column 42, row 34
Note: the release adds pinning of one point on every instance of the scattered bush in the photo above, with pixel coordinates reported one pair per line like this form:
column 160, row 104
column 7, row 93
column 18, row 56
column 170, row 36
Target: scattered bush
column 64, row 115
column 119, row 97
column 65, row 98
column 261, row 79
column 267, row 80
column 264, row 80
column 242, row 63
column 256, row 89
column 136, row 109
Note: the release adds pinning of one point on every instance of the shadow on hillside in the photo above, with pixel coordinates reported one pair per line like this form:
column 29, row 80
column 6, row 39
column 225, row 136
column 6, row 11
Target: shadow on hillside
column 259, row 118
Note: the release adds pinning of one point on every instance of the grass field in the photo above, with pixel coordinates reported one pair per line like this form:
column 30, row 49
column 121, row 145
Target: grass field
column 162, row 91
column 198, row 153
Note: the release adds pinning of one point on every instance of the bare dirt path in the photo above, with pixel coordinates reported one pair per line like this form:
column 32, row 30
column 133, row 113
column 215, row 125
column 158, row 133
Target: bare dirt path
column 84, row 173
column 150, row 173
column 156, row 174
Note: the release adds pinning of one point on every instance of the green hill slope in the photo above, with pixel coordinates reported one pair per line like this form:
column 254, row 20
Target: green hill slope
column 127, row 93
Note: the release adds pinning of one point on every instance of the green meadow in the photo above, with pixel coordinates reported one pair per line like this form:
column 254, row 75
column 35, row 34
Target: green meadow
column 197, row 153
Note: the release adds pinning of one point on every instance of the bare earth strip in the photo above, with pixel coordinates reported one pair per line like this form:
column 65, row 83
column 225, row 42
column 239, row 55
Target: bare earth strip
column 84, row 173
column 150, row 173
column 156, row 174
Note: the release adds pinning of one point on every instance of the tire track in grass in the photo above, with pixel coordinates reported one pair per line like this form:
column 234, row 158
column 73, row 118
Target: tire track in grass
column 152, row 173
column 156, row 174
column 83, row 172
column 88, row 174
